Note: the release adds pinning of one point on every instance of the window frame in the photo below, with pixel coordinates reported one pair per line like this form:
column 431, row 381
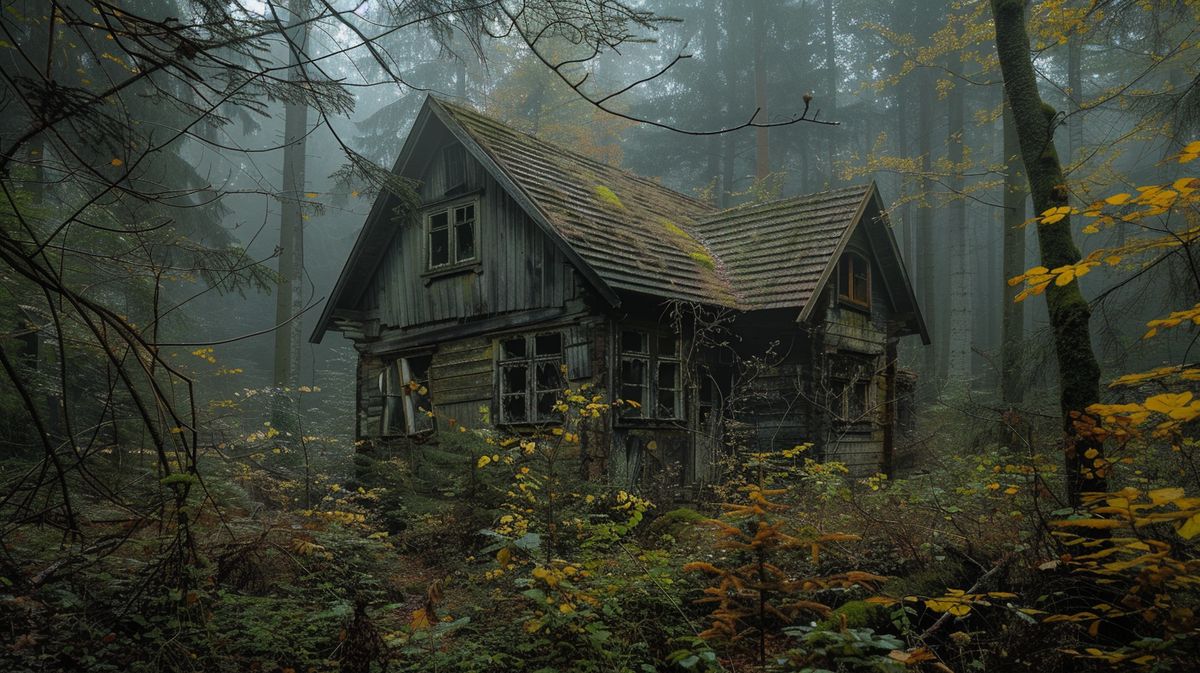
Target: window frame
column 652, row 359
column 412, row 411
column 843, row 401
column 450, row 209
column 846, row 276
column 530, row 360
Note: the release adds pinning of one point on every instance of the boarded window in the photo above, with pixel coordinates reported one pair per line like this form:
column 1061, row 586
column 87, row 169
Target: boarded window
column 530, row 377
column 651, row 375
column 407, row 405
column 854, row 279
column 452, row 235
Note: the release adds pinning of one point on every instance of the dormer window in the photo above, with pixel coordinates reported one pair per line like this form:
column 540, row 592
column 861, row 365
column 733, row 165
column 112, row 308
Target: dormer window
column 854, row 280
column 452, row 235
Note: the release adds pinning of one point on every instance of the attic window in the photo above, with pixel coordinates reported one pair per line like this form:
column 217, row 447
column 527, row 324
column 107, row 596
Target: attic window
column 854, row 279
column 452, row 234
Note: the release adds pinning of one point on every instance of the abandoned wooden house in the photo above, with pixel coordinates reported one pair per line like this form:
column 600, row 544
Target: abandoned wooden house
column 519, row 264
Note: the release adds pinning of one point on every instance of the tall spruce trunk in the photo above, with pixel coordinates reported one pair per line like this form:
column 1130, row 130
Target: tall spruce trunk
column 958, row 366
column 1079, row 373
column 831, row 81
column 762, row 159
column 926, row 242
column 1012, row 326
column 288, row 294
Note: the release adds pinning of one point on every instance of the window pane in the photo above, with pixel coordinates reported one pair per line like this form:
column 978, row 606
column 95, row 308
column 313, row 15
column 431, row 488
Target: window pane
column 666, row 404
column 633, row 385
column 633, row 394
column 438, row 221
column 417, row 388
column 513, row 348
column 513, row 378
column 548, row 344
column 439, row 247
column 668, row 375
column 668, row 346
column 857, row 404
column 545, row 406
column 633, row 371
column 513, row 407
column 393, row 413
column 464, row 214
column 548, row 376
column 464, row 239
column 633, row 342
column 862, row 285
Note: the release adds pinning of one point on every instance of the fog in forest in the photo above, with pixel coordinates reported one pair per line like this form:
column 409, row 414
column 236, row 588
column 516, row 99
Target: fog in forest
column 329, row 326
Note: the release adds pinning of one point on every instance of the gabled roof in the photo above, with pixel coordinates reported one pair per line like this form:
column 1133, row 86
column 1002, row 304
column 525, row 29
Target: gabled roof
column 627, row 233
column 774, row 253
column 635, row 233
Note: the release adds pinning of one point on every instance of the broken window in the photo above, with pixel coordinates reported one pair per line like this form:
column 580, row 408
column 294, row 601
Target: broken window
column 531, row 378
column 854, row 279
column 452, row 236
column 651, row 375
column 407, row 405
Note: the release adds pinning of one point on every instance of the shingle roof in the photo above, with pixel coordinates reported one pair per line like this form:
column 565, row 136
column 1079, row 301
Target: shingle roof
column 628, row 233
column 635, row 233
column 775, row 253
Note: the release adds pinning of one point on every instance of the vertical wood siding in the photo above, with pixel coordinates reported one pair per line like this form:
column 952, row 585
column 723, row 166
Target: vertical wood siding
column 520, row 268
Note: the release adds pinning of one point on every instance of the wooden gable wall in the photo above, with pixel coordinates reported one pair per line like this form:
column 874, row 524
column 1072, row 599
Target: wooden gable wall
column 519, row 269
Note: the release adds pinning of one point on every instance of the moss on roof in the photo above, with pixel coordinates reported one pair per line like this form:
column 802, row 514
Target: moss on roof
column 640, row 236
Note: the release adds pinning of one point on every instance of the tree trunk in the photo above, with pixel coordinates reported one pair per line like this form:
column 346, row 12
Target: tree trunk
column 924, row 226
column 958, row 367
column 1079, row 373
column 711, row 31
column 831, row 81
column 291, row 226
column 762, row 160
column 1012, row 328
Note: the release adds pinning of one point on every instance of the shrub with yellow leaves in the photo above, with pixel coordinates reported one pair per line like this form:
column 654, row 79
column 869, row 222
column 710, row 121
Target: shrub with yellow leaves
column 756, row 596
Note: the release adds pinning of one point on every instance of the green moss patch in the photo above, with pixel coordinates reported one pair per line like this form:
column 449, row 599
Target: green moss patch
column 608, row 196
column 703, row 260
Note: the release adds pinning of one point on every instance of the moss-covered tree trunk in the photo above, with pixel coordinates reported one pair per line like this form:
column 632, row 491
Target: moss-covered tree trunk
column 1079, row 373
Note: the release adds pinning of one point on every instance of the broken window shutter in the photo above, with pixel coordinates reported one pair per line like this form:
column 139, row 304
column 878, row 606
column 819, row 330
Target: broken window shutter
column 579, row 353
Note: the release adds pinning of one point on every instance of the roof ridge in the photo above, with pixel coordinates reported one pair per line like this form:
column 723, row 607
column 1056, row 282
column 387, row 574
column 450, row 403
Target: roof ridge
column 786, row 201
column 455, row 107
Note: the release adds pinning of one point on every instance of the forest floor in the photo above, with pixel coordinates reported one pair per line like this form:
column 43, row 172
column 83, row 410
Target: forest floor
column 789, row 564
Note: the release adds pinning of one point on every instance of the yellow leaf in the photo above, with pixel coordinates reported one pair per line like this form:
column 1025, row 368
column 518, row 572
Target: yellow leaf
column 310, row 195
column 419, row 620
column 1188, row 529
column 1117, row 199
column 483, row 461
column 116, row 162
column 1162, row 496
